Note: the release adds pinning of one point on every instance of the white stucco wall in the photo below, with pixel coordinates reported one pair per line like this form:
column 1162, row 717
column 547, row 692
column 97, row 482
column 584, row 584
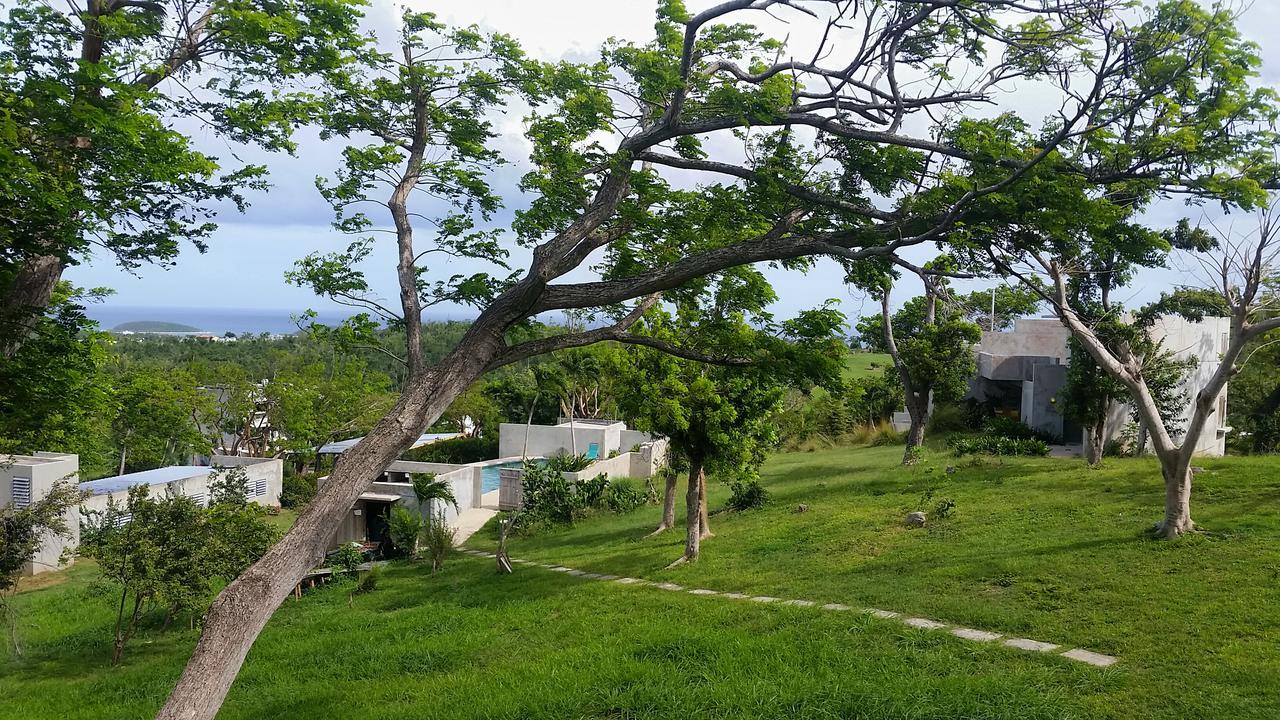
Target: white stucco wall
column 40, row 472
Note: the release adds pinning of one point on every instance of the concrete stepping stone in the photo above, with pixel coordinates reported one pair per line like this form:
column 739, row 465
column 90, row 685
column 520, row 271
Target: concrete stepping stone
column 557, row 568
column 764, row 599
column 578, row 573
column 735, row 596
column 924, row 623
column 669, row 586
column 703, row 591
column 978, row 635
column 799, row 603
column 1035, row 645
column 836, row 606
column 607, row 577
column 885, row 614
column 629, row 581
column 1090, row 657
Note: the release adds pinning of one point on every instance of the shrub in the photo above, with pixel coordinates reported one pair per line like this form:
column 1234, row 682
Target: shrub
column 1007, row 427
column 569, row 463
column 459, row 450
column 747, row 495
column 624, row 495
column 404, row 526
column 297, row 490
column 548, row 496
column 998, row 445
column 346, row 558
column 881, row 433
column 437, row 542
column 592, row 490
column 948, row 418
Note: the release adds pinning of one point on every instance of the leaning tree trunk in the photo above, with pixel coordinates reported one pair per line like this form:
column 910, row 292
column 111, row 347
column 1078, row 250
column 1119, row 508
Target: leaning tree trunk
column 242, row 609
column 693, row 509
column 668, row 504
column 26, row 299
column 1094, row 446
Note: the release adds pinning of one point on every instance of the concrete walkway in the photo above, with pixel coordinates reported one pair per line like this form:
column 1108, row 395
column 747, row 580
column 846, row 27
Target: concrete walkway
column 981, row 636
column 472, row 519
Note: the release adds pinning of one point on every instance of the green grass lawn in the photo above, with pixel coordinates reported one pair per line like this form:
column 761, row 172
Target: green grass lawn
column 861, row 364
column 1040, row 548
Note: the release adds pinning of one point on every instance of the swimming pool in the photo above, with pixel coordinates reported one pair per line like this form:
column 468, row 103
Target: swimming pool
column 489, row 474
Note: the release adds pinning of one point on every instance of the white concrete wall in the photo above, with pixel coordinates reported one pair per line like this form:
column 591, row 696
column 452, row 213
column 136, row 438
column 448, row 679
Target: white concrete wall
column 42, row 471
column 1045, row 337
column 1206, row 341
column 269, row 469
column 547, row 440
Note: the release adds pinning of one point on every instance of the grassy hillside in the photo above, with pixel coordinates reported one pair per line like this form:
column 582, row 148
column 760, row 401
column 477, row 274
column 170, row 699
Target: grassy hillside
column 1040, row 548
column 861, row 364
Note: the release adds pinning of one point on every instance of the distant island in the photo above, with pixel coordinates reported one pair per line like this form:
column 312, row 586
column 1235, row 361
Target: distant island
column 154, row 326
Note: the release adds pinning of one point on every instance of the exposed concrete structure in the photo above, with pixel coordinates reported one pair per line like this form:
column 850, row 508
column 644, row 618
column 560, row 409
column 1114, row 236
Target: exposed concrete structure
column 264, row 475
column 476, row 485
column 1021, row 372
column 594, row 438
column 27, row 478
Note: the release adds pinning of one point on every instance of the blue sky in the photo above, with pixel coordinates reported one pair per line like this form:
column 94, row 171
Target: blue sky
column 250, row 253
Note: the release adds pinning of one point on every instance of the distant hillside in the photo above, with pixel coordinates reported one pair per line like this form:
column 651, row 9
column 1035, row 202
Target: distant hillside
column 155, row 326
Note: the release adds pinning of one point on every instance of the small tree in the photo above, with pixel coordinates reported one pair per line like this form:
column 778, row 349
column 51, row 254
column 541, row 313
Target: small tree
column 172, row 552
column 405, row 527
column 22, row 531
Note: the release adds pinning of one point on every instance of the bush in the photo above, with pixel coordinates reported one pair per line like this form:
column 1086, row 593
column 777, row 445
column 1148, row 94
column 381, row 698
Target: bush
column 881, row 433
column 404, row 526
column 437, row 542
column 549, row 497
column 569, row 463
column 346, row 558
column 747, row 495
column 1007, row 427
column 592, row 490
column 948, row 418
column 297, row 490
column 457, row 451
column 624, row 495
column 998, row 445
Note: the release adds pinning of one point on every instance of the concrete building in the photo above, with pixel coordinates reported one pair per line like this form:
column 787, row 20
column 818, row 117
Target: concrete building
column 27, row 478
column 476, row 485
column 1021, row 372
column 593, row 438
column 265, row 476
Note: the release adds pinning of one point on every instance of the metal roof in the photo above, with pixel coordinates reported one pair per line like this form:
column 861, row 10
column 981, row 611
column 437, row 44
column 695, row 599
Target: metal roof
column 159, row 476
column 340, row 446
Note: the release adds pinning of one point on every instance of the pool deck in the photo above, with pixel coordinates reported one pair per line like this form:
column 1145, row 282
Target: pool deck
column 472, row 519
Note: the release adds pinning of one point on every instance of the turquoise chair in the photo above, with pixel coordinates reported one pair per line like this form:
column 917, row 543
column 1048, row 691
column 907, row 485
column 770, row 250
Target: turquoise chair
column 593, row 451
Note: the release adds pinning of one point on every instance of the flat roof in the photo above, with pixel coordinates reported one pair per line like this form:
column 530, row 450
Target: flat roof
column 158, row 476
column 340, row 446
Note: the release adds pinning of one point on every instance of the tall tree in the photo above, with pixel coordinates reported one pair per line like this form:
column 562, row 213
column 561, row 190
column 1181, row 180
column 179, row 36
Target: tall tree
column 603, row 136
column 89, row 155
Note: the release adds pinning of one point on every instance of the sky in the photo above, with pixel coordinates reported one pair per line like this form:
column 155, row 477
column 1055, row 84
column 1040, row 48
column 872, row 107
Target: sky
column 249, row 254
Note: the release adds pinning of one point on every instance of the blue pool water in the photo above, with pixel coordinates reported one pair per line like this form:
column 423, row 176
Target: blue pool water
column 489, row 475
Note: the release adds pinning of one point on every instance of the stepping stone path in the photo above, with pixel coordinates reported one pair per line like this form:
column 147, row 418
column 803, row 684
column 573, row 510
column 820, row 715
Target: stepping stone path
column 1081, row 655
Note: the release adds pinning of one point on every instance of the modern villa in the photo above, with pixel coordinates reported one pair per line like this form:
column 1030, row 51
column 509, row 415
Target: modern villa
column 25, row 479
column 617, row 451
column 1021, row 372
